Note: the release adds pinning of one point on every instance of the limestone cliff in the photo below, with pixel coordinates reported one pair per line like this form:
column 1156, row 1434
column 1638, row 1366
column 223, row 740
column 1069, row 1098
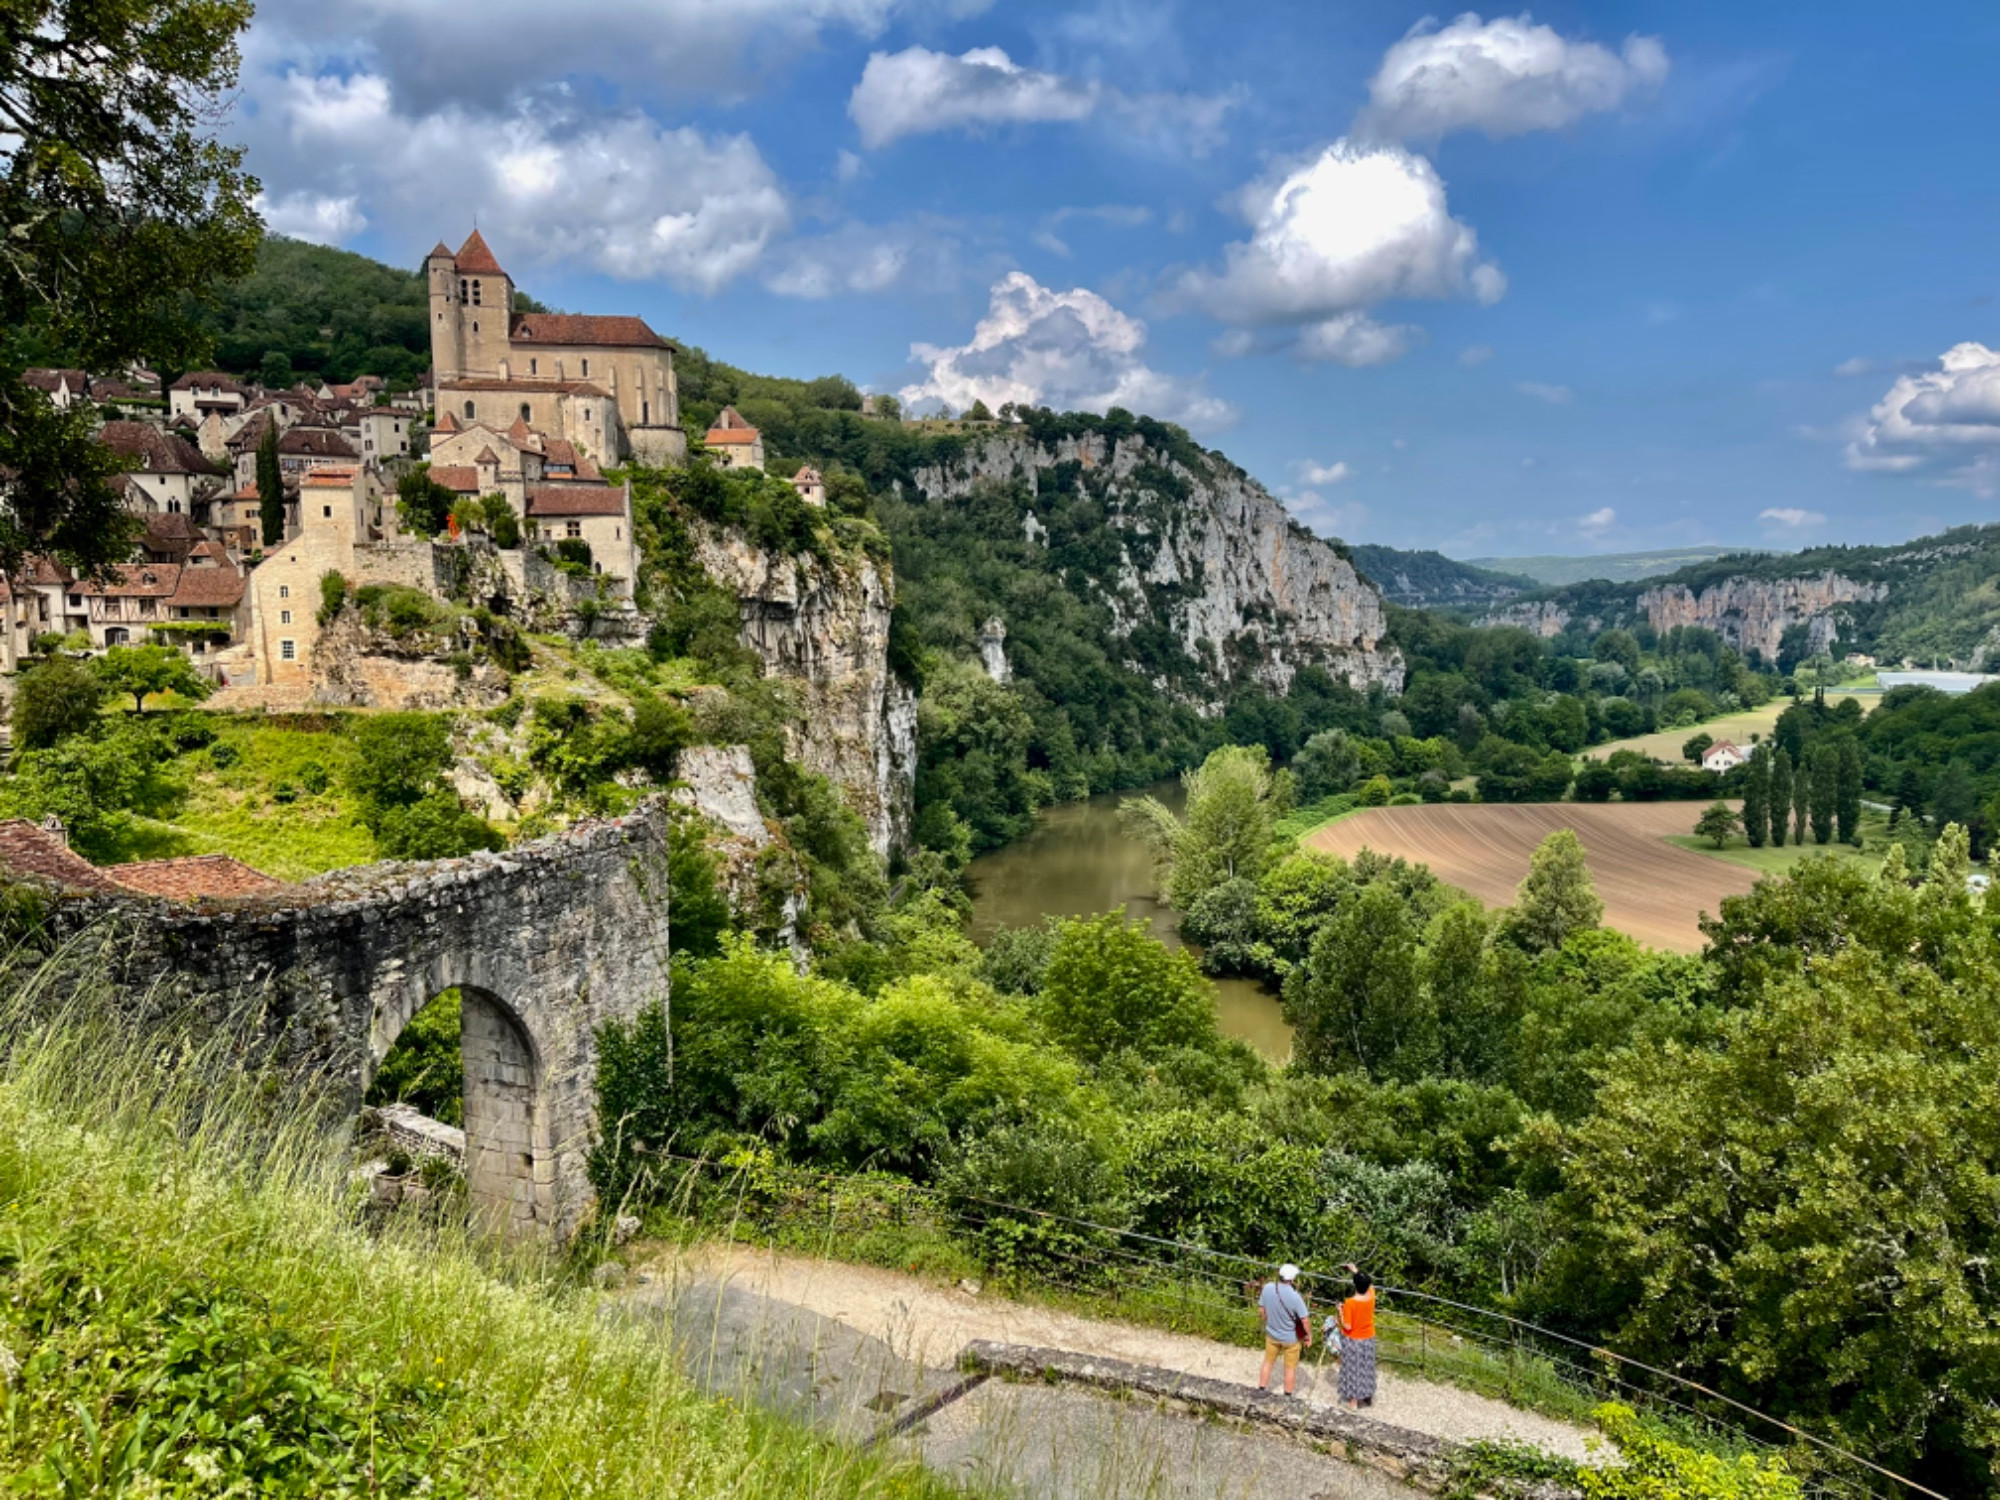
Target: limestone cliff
column 1205, row 552
column 825, row 626
column 1753, row 615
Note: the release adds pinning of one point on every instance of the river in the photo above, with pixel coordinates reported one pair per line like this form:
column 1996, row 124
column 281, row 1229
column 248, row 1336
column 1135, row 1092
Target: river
column 1077, row 862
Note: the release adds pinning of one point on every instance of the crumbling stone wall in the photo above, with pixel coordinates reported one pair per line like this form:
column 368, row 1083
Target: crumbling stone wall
column 545, row 943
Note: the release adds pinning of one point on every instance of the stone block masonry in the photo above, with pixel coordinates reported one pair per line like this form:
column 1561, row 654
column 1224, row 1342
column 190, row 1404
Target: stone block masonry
column 545, row 944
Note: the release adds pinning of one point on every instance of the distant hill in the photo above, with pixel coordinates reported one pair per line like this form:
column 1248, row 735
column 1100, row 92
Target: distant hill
column 1933, row 601
column 1430, row 580
column 1613, row 567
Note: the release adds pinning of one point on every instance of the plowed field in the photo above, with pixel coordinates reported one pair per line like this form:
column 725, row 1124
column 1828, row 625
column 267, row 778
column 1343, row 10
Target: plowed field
column 1651, row 890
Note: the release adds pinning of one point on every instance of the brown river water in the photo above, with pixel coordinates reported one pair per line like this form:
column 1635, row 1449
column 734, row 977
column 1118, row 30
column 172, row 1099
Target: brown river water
column 1078, row 862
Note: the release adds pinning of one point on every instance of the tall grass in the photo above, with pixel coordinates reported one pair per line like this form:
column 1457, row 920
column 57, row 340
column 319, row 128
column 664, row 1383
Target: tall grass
column 195, row 1305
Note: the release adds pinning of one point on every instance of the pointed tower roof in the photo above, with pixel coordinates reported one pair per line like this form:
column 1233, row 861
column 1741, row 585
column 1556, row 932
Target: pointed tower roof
column 473, row 256
column 442, row 249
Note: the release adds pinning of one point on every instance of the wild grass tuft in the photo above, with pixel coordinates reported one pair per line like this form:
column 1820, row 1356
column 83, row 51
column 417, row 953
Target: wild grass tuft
column 194, row 1305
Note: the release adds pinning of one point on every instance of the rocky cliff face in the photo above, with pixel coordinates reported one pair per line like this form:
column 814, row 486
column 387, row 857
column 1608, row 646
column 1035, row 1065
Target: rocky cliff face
column 1208, row 553
column 1752, row 615
column 826, row 627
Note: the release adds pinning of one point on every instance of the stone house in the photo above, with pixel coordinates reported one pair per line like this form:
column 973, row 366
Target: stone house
column 810, row 485
column 599, row 515
column 61, row 386
column 385, row 434
column 197, row 605
column 165, row 471
column 341, row 513
column 199, row 392
column 476, row 459
column 605, row 383
column 733, row 443
column 303, row 449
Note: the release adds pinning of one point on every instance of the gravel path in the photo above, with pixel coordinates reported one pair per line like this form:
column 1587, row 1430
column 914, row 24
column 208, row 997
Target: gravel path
column 928, row 1324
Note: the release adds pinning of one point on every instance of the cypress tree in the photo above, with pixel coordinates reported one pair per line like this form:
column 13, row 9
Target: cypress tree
column 1781, row 795
column 270, row 487
column 1801, row 795
column 1847, row 804
column 1757, row 797
column 1825, row 791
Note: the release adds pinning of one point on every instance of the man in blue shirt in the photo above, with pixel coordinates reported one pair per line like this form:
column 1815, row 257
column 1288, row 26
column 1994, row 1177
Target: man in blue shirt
column 1287, row 1322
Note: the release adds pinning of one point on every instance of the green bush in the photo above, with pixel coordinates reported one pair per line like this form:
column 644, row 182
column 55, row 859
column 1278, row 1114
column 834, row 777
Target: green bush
column 1655, row 1468
column 54, row 700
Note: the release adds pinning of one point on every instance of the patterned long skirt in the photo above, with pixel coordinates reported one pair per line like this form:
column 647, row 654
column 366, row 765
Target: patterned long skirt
column 1357, row 1369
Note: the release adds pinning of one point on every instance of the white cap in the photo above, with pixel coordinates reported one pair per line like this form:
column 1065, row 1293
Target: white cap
column 1288, row 1272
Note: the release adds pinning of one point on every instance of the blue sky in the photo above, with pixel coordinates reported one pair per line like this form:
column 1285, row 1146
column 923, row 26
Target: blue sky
column 1587, row 278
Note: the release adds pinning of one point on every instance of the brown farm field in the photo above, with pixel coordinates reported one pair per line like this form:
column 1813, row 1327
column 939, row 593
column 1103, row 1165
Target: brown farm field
column 1652, row 890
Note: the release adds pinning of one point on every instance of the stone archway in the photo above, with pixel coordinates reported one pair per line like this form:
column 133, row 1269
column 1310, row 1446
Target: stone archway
column 545, row 944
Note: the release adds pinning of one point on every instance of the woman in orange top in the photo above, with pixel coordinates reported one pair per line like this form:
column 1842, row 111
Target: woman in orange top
column 1357, row 1343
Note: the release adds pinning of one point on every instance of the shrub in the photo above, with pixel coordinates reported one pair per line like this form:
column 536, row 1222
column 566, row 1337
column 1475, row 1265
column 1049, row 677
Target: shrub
column 1653, row 1466
column 332, row 597
column 54, row 700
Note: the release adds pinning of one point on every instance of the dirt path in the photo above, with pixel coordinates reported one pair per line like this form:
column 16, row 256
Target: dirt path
column 1652, row 890
column 929, row 1324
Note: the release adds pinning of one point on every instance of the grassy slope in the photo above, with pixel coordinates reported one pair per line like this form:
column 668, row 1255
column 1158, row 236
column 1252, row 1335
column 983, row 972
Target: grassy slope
column 1770, row 861
column 195, row 1302
column 1666, row 743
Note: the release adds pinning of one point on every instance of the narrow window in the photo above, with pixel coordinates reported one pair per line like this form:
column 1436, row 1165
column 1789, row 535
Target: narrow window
column 645, row 413
column 468, row 408
column 475, row 328
column 534, row 367
column 287, row 651
column 527, row 413
column 284, row 617
column 284, row 591
column 461, row 288
column 327, row 511
column 576, row 528
column 586, row 369
column 475, row 294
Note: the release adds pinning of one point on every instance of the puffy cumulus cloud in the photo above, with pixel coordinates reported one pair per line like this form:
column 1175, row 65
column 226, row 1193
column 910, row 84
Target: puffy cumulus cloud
column 436, row 55
column 921, row 92
column 1069, row 349
column 313, row 216
column 1505, row 77
column 1944, row 421
column 917, row 91
column 1326, row 517
column 1597, row 522
column 1790, row 517
column 619, row 194
column 1333, row 236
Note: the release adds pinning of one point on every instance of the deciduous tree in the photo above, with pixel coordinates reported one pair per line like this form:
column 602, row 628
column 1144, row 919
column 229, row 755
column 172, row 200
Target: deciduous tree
column 1716, row 823
column 143, row 670
column 1558, row 897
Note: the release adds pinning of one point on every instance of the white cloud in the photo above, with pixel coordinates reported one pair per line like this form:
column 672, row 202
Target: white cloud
column 1597, row 522
column 1855, row 366
column 1505, row 77
column 1116, row 215
column 848, row 165
column 1356, row 340
column 1332, row 237
column 1318, row 514
column 1312, row 472
column 920, row 92
column 917, row 91
column 1555, row 395
column 1069, row 349
column 857, row 259
column 313, row 216
column 1944, row 421
column 437, row 55
column 1791, row 516
column 620, row 194
column 1475, row 354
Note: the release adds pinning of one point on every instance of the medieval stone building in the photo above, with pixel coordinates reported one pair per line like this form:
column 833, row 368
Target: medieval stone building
column 605, row 384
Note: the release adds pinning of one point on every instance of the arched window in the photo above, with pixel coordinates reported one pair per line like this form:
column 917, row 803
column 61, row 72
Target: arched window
column 527, row 412
column 468, row 408
column 461, row 289
column 586, row 369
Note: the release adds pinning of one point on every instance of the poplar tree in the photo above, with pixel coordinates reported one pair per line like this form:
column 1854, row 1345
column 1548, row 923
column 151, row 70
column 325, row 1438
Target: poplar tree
column 1781, row 795
column 270, row 486
column 1847, row 804
column 1757, row 797
column 1825, row 791
column 1801, row 795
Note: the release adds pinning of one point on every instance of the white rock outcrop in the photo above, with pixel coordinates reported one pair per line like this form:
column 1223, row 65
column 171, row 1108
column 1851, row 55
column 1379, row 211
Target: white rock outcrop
column 1210, row 554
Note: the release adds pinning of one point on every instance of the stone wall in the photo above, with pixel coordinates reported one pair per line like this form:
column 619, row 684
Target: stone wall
column 546, row 943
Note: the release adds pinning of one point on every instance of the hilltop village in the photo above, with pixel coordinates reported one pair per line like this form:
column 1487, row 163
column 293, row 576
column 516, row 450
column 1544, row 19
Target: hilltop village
column 249, row 501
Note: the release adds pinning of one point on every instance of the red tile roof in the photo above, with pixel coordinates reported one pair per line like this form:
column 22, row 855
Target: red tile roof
column 152, row 450
column 135, row 581
column 589, row 329
column 576, row 500
column 209, row 586
column 442, row 249
column 49, row 380
column 460, row 477
column 194, row 877
column 330, row 476
column 731, row 435
column 204, row 379
column 446, row 422
column 31, row 852
column 474, row 257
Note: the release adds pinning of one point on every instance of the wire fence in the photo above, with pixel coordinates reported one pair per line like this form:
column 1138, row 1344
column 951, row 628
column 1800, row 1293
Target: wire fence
column 1147, row 1278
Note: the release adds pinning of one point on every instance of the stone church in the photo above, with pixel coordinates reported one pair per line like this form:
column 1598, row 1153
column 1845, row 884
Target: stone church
column 605, row 384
